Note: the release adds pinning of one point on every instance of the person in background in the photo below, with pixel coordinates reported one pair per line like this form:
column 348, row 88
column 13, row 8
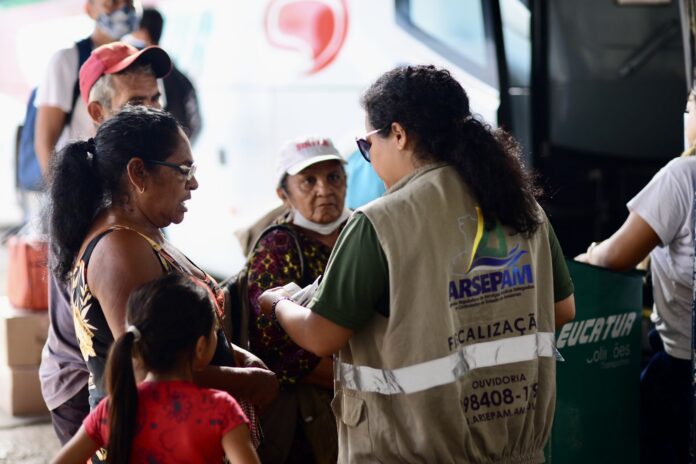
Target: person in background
column 364, row 185
column 660, row 224
column 113, row 19
column 179, row 94
column 312, row 185
column 115, row 75
column 451, row 281
column 171, row 333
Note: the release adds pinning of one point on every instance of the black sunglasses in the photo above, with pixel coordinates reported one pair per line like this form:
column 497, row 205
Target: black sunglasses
column 364, row 145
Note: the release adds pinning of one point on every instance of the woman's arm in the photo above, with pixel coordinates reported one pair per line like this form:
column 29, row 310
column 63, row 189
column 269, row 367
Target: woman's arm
column 238, row 447
column 246, row 358
column 322, row 375
column 121, row 262
column 311, row 331
column 564, row 311
column 257, row 385
column 626, row 248
column 78, row 450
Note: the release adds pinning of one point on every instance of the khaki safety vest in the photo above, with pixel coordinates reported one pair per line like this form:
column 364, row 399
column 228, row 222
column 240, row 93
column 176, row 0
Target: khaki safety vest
column 463, row 370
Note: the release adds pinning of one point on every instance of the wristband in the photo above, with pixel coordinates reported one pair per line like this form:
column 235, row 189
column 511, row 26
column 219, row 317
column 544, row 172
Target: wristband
column 273, row 307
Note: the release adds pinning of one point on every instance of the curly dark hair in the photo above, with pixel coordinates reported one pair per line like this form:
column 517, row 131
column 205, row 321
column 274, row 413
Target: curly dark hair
column 434, row 110
column 87, row 176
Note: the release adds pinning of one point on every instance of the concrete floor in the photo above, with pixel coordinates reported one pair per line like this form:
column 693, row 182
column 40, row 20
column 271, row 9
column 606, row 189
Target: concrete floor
column 27, row 440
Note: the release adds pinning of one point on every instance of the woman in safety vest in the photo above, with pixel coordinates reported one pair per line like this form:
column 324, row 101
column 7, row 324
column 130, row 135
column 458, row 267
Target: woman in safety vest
column 443, row 295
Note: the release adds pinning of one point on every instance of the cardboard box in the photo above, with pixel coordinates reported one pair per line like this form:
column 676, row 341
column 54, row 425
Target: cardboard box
column 22, row 335
column 20, row 391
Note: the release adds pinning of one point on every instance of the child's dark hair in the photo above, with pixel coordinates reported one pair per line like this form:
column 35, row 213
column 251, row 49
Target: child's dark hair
column 165, row 319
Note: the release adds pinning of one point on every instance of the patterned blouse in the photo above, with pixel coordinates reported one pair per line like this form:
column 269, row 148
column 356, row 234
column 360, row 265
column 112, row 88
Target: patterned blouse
column 95, row 337
column 275, row 262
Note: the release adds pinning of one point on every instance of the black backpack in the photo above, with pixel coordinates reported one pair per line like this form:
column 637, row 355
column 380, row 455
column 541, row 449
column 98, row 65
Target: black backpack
column 236, row 288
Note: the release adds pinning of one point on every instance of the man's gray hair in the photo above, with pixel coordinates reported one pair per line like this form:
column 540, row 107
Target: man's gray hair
column 103, row 90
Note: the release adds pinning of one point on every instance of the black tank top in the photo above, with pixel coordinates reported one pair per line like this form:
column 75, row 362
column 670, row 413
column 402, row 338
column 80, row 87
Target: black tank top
column 93, row 333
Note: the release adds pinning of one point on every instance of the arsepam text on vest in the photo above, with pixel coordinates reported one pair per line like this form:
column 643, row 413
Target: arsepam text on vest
column 491, row 282
column 595, row 330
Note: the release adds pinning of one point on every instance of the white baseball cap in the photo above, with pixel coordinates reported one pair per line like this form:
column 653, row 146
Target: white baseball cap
column 301, row 153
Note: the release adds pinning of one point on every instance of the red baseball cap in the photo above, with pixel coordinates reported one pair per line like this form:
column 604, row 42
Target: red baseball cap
column 117, row 56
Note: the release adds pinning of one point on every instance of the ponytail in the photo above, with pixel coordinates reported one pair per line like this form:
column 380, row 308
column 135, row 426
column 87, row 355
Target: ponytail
column 489, row 163
column 123, row 399
column 76, row 196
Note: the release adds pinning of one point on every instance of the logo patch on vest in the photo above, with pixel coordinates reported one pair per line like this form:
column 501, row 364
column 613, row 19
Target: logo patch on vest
column 497, row 268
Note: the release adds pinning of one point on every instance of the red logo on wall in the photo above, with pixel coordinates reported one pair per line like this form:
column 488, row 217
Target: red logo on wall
column 315, row 27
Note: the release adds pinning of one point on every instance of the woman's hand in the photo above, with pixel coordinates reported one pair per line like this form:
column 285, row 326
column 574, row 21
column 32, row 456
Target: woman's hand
column 270, row 296
column 257, row 385
column 246, row 358
column 627, row 247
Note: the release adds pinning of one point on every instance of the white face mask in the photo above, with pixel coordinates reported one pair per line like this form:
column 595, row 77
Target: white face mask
column 323, row 229
column 119, row 23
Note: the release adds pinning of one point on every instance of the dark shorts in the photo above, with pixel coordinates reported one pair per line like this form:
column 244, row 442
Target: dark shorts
column 67, row 418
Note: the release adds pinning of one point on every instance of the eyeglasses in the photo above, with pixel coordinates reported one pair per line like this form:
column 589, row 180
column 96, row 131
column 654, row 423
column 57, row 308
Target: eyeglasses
column 364, row 145
column 184, row 169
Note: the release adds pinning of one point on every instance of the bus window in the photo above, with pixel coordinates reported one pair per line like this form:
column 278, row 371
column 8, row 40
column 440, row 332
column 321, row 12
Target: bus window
column 516, row 20
column 459, row 30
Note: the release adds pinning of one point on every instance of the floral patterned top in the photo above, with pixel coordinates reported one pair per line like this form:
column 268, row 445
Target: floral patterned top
column 93, row 332
column 275, row 262
column 176, row 421
column 95, row 338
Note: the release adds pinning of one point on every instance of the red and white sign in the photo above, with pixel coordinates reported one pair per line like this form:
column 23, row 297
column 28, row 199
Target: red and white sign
column 315, row 28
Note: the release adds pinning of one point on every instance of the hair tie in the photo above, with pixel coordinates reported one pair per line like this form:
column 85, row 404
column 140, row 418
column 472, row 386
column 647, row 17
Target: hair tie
column 91, row 149
column 135, row 331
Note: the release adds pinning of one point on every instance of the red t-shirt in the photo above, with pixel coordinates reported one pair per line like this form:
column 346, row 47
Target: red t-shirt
column 177, row 421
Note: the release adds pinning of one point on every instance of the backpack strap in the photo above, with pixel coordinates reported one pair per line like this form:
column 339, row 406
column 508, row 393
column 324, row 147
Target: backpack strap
column 84, row 49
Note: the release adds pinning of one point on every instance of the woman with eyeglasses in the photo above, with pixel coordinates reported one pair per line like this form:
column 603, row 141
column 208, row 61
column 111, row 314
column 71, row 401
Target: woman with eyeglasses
column 109, row 199
column 311, row 182
column 442, row 296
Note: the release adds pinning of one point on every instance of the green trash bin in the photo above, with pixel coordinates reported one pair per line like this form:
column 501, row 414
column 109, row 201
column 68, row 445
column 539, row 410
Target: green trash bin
column 597, row 401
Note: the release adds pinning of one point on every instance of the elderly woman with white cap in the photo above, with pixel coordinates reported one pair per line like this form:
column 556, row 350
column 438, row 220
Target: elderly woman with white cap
column 312, row 185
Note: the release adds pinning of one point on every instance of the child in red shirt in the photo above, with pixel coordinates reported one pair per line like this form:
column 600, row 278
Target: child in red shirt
column 167, row 418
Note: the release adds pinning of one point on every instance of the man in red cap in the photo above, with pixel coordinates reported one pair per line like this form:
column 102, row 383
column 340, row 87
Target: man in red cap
column 118, row 74
column 114, row 75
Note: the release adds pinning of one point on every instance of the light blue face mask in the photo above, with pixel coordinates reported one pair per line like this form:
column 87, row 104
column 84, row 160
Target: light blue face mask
column 130, row 40
column 119, row 22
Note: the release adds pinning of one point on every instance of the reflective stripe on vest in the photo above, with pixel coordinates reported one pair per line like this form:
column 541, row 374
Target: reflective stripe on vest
column 448, row 369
